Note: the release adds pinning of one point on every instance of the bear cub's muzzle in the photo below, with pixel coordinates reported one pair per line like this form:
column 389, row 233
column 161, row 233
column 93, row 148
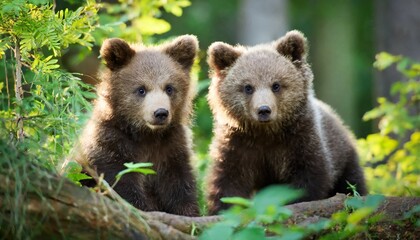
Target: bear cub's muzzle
column 160, row 116
column 264, row 114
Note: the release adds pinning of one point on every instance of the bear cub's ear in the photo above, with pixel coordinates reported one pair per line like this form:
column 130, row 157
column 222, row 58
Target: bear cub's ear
column 183, row 49
column 221, row 56
column 116, row 53
column 293, row 46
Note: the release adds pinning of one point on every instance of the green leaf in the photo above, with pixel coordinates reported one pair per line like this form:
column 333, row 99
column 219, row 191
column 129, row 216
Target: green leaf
column 73, row 172
column 274, row 196
column 138, row 165
column 320, row 225
column 413, row 212
column 384, row 60
column 354, row 202
column 183, row 3
column 177, row 11
column 89, row 95
column 218, row 231
column 237, row 201
column 292, row 235
column 136, row 168
column 374, row 201
column 249, row 233
column 403, row 64
column 359, row 215
column 149, row 25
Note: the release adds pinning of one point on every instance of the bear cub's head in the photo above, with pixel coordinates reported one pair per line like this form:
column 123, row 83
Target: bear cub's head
column 260, row 86
column 148, row 87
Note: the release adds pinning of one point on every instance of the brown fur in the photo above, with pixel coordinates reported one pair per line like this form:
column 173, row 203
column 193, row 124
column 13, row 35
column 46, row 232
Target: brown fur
column 300, row 141
column 125, row 128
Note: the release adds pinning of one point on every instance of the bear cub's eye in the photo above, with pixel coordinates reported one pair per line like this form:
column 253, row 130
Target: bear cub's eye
column 141, row 91
column 248, row 89
column 169, row 90
column 275, row 87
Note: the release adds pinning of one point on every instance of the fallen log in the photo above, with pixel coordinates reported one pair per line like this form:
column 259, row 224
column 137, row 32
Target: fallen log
column 45, row 205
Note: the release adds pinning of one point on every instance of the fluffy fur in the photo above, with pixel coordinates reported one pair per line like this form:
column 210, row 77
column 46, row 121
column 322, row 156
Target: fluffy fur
column 142, row 115
column 270, row 129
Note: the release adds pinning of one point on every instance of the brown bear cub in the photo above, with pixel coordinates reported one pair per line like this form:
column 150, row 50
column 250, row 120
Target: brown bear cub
column 142, row 115
column 270, row 128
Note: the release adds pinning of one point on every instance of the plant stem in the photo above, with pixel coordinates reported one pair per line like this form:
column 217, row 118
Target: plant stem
column 7, row 82
column 18, row 90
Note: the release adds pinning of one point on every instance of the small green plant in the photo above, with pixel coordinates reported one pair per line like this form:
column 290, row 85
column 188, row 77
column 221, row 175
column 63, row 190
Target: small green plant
column 73, row 172
column 251, row 219
column 143, row 168
column 48, row 104
column 266, row 217
column 355, row 219
column 392, row 155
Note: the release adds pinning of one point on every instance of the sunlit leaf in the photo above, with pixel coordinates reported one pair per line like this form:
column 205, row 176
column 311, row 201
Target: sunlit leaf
column 142, row 168
column 149, row 25
column 359, row 215
column 237, row 201
column 384, row 60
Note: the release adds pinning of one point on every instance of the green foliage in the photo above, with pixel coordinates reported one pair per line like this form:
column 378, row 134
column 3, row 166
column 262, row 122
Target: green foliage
column 251, row 219
column 143, row 168
column 392, row 155
column 137, row 20
column 41, row 33
column 266, row 215
column 54, row 102
column 73, row 172
column 413, row 215
column 356, row 219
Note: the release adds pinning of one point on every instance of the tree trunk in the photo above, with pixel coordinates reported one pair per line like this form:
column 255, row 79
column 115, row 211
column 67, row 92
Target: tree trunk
column 397, row 24
column 54, row 207
column 262, row 21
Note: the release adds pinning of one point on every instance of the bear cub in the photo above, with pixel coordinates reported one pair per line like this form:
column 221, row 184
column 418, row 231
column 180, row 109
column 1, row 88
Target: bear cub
column 270, row 129
column 142, row 115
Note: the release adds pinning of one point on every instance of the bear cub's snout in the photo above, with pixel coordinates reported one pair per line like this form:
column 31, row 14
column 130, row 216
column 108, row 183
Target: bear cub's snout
column 161, row 116
column 264, row 113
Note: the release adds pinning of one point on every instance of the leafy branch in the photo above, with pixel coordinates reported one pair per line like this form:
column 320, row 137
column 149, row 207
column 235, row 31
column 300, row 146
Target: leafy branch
column 392, row 154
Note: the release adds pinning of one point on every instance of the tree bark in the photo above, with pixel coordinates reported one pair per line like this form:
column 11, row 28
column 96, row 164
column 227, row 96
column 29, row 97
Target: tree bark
column 55, row 207
column 394, row 24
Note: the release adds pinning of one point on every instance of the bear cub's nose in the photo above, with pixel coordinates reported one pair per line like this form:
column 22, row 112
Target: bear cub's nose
column 161, row 114
column 264, row 113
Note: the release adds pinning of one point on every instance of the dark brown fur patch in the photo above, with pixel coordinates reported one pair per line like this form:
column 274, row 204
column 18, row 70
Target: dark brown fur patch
column 121, row 129
column 293, row 46
column 116, row 53
column 221, row 56
column 183, row 50
column 301, row 141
